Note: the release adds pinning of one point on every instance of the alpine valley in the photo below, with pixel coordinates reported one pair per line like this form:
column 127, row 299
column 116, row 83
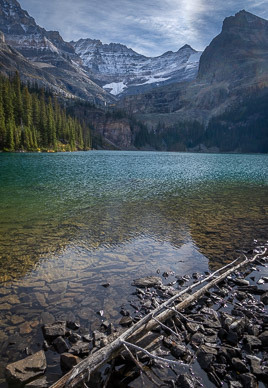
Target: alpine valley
column 181, row 101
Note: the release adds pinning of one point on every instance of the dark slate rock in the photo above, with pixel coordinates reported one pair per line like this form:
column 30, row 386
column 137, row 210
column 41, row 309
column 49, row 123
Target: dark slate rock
column 252, row 342
column 60, row 345
column 179, row 351
column 220, row 369
column 229, row 352
column 206, row 356
column 80, row 348
column 192, row 327
column 73, row 325
column 54, row 330
column 248, row 380
column 232, row 338
column 255, row 290
column 126, row 321
column 239, row 326
column 185, row 381
column 241, row 295
column 222, row 334
column 241, row 282
column 23, row 371
column 149, row 281
column 197, row 339
column 264, row 298
column 38, row 383
column 239, row 365
column 74, row 337
column 263, row 337
column 68, row 361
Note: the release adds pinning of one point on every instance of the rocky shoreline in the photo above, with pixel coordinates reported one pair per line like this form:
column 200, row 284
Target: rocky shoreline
column 221, row 340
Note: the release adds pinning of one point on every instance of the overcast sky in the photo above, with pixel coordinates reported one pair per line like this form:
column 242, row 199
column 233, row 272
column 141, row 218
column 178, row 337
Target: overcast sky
column 150, row 27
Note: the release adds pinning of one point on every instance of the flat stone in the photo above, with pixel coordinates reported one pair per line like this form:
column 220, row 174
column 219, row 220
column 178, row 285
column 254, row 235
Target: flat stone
column 263, row 337
column 239, row 365
column 41, row 299
column 80, row 348
column 26, row 328
column 149, row 281
column 23, row 371
column 58, row 287
column 206, row 356
column 252, row 341
column 85, row 313
column 16, row 319
column 47, row 318
column 126, row 321
column 11, row 299
column 241, row 282
column 60, row 345
column 192, row 327
column 5, row 306
column 68, row 361
column 229, row 352
column 38, row 383
column 55, row 329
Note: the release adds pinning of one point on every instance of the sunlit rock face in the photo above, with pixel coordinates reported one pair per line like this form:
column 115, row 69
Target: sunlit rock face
column 123, row 71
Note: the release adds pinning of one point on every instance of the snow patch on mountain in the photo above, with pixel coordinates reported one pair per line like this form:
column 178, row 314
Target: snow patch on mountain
column 120, row 68
column 115, row 88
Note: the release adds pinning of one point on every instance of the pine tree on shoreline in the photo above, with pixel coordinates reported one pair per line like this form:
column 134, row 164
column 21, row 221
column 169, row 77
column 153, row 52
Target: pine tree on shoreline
column 32, row 121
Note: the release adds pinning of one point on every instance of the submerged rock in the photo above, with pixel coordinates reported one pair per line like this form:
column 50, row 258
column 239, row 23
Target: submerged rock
column 149, row 281
column 55, row 329
column 23, row 371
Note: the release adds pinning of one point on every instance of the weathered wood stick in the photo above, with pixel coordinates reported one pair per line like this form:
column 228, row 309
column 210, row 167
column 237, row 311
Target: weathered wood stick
column 102, row 356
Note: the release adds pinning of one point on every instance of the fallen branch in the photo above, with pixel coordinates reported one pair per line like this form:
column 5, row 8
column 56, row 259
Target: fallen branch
column 160, row 359
column 140, row 366
column 102, row 356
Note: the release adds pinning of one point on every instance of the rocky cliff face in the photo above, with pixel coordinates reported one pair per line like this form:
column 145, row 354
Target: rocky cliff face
column 47, row 51
column 234, row 66
column 239, row 52
column 122, row 71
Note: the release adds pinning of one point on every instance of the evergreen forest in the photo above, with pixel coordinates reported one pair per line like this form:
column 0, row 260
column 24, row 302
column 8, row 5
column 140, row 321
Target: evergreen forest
column 32, row 119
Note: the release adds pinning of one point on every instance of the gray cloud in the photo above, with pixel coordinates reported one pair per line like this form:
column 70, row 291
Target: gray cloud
column 149, row 27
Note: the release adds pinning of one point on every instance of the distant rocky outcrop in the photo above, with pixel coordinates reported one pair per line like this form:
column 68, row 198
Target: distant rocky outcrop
column 52, row 58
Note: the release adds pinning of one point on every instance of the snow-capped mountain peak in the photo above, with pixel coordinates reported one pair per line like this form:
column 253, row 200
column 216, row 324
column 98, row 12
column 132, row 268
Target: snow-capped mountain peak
column 120, row 69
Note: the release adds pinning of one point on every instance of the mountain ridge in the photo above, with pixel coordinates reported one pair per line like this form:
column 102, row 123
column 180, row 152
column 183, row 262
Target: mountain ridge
column 123, row 71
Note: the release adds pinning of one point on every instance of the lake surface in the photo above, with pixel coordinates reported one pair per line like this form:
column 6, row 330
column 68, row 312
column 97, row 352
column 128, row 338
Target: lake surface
column 70, row 222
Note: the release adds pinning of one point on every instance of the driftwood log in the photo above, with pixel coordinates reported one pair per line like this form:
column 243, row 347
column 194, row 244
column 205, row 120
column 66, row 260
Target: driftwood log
column 93, row 362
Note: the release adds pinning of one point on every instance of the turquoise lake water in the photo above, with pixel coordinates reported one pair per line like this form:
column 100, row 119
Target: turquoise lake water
column 72, row 221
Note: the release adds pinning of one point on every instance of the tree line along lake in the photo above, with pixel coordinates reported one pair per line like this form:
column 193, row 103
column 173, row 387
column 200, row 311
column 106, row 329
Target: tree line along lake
column 73, row 221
